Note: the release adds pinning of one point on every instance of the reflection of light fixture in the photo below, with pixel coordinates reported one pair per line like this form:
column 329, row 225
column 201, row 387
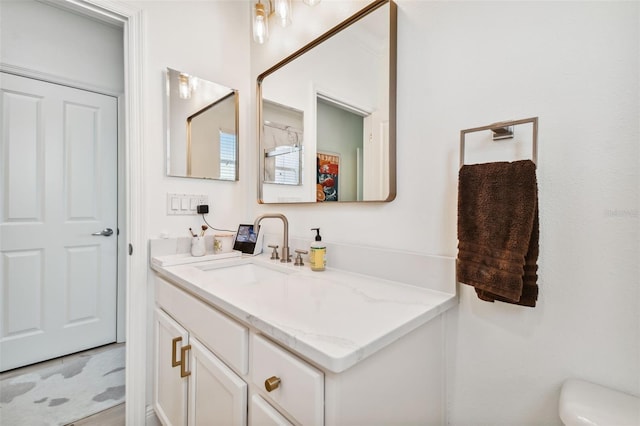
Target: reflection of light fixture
column 183, row 86
column 260, row 14
column 187, row 84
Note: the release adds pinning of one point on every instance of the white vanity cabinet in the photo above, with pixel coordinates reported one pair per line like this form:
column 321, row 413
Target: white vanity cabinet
column 293, row 354
column 193, row 386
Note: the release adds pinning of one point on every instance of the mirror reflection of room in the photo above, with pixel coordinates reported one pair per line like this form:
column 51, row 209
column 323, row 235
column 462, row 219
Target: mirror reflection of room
column 201, row 128
column 342, row 87
column 339, row 151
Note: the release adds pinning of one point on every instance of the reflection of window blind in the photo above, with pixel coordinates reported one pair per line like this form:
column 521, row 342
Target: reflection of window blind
column 287, row 166
column 227, row 156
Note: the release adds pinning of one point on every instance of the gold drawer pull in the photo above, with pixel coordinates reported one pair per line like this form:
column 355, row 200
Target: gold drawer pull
column 272, row 383
column 174, row 350
column 183, row 361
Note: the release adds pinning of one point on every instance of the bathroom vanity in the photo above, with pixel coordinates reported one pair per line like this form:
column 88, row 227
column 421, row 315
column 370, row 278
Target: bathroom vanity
column 254, row 341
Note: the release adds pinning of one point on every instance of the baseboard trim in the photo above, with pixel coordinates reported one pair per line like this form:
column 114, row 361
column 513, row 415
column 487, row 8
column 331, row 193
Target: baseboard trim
column 151, row 419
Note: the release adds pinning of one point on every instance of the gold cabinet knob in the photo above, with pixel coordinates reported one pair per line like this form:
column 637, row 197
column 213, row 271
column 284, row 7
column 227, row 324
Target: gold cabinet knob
column 272, row 383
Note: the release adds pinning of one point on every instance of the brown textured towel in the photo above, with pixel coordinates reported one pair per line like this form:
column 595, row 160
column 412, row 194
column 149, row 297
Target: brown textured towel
column 498, row 231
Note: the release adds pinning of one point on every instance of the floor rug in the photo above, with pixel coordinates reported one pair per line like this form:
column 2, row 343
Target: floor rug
column 65, row 392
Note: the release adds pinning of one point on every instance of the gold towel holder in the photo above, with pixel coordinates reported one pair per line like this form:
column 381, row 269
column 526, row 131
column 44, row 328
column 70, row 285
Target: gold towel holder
column 501, row 127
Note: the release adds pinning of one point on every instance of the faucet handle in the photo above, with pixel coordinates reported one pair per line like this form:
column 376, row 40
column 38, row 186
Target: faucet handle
column 299, row 261
column 274, row 253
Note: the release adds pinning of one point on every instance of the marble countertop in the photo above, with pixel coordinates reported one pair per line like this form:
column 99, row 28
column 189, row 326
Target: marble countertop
column 334, row 318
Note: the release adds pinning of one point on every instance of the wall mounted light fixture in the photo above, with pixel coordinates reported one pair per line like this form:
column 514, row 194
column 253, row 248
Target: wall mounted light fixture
column 261, row 12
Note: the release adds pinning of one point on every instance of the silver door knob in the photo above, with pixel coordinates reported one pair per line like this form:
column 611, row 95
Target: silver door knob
column 104, row 233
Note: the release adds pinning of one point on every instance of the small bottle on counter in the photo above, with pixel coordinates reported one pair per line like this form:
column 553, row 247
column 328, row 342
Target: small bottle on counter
column 318, row 253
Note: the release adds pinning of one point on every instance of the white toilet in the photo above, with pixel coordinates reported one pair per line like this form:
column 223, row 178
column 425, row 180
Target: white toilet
column 583, row 403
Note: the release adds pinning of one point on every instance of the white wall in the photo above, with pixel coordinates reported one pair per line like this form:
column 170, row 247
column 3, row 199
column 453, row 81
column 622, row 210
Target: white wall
column 40, row 37
column 467, row 64
column 207, row 39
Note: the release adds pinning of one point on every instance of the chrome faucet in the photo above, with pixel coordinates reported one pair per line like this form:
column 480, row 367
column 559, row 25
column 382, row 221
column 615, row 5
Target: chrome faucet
column 285, row 242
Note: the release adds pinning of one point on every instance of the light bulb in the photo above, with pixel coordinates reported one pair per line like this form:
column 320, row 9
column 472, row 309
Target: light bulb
column 260, row 24
column 311, row 2
column 283, row 11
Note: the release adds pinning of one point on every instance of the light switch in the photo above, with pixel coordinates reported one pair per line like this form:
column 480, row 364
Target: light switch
column 184, row 204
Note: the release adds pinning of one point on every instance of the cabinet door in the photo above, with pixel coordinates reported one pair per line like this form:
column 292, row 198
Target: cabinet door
column 217, row 396
column 263, row 414
column 170, row 390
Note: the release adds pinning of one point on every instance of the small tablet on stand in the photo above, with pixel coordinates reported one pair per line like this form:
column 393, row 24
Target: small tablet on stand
column 247, row 241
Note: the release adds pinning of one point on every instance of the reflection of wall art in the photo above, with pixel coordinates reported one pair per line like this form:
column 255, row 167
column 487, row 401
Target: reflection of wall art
column 327, row 177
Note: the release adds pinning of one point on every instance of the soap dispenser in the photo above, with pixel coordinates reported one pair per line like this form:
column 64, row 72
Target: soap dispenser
column 318, row 253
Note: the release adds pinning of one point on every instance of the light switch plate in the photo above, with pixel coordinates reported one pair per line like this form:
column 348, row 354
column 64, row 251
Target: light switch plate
column 185, row 204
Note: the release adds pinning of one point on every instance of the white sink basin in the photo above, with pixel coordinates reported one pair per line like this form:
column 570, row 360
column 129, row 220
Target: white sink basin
column 245, row 273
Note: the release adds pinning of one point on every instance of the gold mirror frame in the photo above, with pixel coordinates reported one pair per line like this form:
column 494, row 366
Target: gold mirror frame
column 392, row 95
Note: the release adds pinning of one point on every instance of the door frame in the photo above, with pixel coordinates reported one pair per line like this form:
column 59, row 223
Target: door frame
column 133, row 230
column 132, row 273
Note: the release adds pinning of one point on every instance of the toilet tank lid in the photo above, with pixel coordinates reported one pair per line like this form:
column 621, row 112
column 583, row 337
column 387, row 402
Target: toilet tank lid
column 585, row 403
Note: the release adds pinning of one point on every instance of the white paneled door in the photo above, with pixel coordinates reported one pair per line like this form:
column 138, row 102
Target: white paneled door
column 58, row 189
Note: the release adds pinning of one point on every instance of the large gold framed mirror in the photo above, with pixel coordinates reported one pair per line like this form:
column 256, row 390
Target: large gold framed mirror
column 327, row 115
column 201, row 128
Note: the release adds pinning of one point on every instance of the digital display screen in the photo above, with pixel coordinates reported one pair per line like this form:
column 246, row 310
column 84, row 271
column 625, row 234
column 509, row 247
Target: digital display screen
column 246, row 239
column 246, row 234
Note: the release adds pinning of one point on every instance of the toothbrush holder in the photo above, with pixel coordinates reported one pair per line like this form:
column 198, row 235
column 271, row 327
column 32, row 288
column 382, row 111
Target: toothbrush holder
column 197, row 246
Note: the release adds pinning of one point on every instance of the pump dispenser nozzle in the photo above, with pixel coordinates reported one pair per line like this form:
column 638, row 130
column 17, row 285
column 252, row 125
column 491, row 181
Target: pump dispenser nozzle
column 318, row 237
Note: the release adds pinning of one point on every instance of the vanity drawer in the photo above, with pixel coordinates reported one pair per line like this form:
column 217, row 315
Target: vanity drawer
column 263, row 414
column 224, row 336
column 301, row 388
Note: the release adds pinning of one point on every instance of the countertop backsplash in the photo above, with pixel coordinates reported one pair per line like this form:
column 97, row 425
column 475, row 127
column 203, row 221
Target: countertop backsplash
column 426, row 271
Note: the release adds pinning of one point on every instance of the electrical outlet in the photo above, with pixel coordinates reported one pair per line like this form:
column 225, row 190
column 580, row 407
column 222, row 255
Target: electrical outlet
column 201, row 200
